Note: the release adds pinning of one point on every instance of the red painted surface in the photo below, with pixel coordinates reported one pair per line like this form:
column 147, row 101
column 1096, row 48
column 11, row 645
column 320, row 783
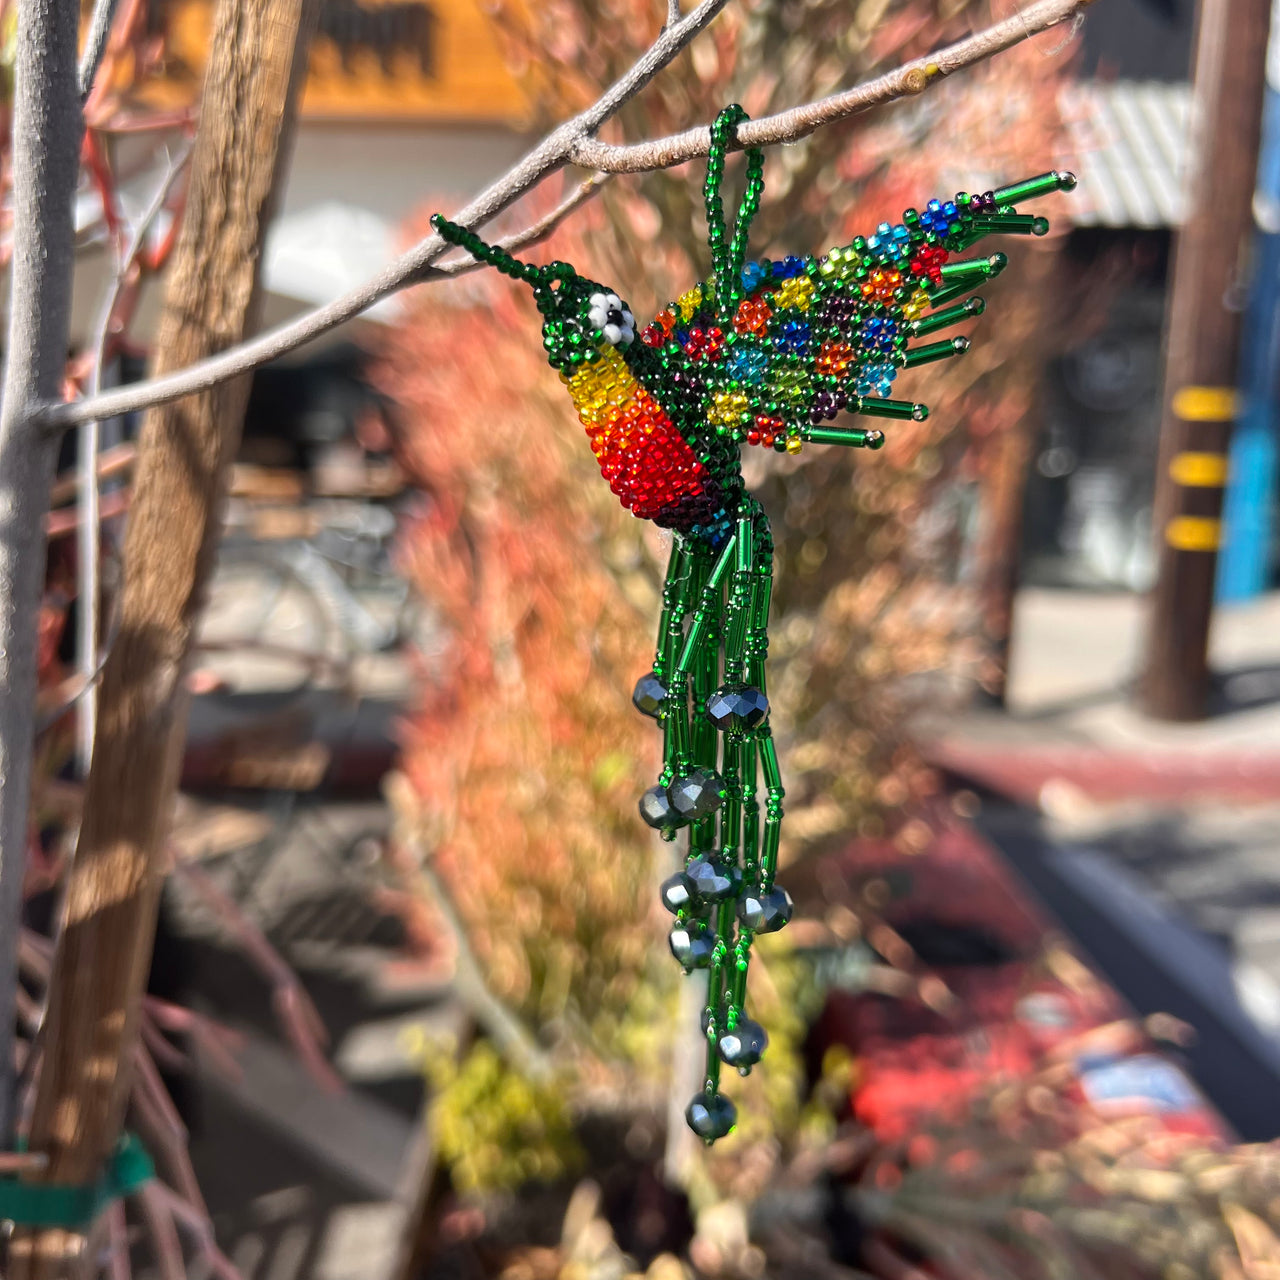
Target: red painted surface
column 1020, row 772
column 1020, row 1003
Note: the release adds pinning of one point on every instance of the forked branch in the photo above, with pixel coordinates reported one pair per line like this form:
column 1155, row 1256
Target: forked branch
column 575, row 143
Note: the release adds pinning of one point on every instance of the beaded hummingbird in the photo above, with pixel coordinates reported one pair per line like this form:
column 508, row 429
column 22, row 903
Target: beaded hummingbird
column 766, row 354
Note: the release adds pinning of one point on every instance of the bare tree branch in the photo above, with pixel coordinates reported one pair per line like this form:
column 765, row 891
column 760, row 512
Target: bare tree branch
column 789, row 126
column 550, row 154
column 574, row 143
column 673, row 12
column 532, row 234
column 95, row 45
column 165, row 1245
column 509, row 1035
column 46, row 153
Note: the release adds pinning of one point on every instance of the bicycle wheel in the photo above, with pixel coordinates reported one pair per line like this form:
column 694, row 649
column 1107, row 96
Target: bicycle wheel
column 263, row 631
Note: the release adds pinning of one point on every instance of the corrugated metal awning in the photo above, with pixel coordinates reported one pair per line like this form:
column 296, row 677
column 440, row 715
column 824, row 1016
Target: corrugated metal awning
column 1131, row 141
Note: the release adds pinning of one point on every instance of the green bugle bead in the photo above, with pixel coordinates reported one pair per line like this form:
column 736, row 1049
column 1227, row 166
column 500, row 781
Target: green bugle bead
column 974, row 306
column 769, row 760
column 902, row 409
column 1011, row 224
column 745, row 559
column 717, row 574
column 935, row 351
column 853, row 436
column 1029, row 188
column 938, row 297
column 981, row 268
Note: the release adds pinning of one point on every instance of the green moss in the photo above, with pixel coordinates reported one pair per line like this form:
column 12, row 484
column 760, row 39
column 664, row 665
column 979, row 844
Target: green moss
column 494, row 1128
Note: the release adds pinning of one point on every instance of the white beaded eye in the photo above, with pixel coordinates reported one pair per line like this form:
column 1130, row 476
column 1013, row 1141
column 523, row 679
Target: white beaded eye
column 610, row 317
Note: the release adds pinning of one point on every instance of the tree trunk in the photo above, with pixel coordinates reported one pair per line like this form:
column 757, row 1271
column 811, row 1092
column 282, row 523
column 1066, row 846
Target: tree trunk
column 257, row 57
column 46, row 153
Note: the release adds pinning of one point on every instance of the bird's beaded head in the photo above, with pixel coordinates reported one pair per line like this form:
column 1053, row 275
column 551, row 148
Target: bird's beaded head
column 580, row 318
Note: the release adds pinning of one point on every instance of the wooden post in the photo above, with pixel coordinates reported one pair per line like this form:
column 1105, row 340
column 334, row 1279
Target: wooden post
column 1202, row 352
column 257, row 56
column 1002, row 497
column 1005, row 464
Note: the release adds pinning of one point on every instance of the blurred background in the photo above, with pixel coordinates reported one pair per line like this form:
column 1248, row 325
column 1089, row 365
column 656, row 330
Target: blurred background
column 1027, row 1020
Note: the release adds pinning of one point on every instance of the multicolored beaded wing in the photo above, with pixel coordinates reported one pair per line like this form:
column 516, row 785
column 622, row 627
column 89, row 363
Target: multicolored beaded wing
column 768, row 354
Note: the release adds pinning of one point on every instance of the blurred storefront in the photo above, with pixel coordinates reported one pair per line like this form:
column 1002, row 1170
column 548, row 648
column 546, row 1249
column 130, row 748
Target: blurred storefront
column 1089, row 494
column 1092, row 480
column 404, row 100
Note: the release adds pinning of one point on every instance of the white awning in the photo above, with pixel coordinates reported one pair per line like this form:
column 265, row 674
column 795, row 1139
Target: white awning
column 1131, row 141
column 320, row 252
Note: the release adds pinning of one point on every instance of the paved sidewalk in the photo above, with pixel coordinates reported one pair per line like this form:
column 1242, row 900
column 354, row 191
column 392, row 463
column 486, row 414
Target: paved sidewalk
column 1070, row 718
column 1171, row 823
column 303, row 1182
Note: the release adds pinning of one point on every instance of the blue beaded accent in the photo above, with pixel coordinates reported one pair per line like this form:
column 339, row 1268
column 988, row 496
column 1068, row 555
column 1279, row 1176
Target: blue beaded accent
column 794, row 335
column 876, row 380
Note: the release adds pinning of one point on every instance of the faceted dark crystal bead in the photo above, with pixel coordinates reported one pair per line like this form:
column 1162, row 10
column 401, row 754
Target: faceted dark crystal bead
column 737, row 706
column 692, row 946
column 744, row 1046
column 677, row 893
column 650, row 695
column 765, row 912
column 711, row 1116
column 697, row 795
column 656, row 809
column 712, row 880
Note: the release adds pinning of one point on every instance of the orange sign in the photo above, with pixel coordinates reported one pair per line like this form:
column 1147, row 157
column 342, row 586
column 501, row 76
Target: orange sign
column 389, row 60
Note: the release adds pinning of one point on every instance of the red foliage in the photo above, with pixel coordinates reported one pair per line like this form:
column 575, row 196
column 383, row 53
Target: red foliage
column 525, row 752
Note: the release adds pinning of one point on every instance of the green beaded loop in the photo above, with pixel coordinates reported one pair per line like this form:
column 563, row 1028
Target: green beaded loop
column 727, row 260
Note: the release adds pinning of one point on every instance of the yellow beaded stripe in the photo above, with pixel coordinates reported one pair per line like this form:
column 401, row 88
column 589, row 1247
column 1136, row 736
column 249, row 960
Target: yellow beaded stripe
column 601, row 388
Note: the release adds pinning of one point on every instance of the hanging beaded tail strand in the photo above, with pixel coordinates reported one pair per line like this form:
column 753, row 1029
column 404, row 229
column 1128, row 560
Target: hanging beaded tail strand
column 708, row 688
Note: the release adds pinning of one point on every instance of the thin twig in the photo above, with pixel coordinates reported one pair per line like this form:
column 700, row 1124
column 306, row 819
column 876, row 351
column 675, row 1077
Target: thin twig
column 79, row 690
column 22, row 1161
column 673, row 12
column 534, row 233
column 200, row 1227
column 95, row 45
column 157, row 1216
column 91, row 1254
column 164, row 1138
column 789, row 126
column 162, row 1052
column 297, row 1013
column 148, row 1085
column 217, row 1040
column 111, row 462
column 88, row 531
column 118, row 1267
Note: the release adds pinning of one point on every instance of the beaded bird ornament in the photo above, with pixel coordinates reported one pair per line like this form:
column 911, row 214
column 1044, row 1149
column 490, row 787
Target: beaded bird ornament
column 767, row 354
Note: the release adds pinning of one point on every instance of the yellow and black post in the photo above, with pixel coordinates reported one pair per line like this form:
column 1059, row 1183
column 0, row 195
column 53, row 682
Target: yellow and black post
column 1202, row 326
